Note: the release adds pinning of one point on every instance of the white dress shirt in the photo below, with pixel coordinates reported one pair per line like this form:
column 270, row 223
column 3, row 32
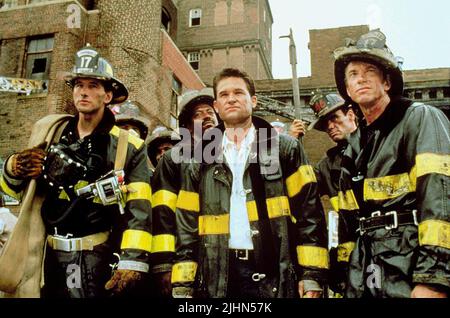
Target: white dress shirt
column 240, row 234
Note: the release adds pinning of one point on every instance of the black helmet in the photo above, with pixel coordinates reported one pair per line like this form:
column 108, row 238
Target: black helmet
column 88, row 63
column 322, row 105
column 129, row 113
column 191, row 99
column 159, row 136
column 370, row 48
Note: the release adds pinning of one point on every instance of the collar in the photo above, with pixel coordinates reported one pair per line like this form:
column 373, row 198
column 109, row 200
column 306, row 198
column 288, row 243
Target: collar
column 104, row 126
column 246, row 142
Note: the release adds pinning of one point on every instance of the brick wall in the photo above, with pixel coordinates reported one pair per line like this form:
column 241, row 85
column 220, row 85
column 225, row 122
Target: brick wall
column 322, row 43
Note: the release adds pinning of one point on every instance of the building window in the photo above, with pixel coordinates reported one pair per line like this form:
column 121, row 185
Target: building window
column 446, row 92
column 176, row 91
column 194, row 60
column 432, row 94
column 418, row 95
column 5, row 4
column 38, row 58
column 165, row 20
column 195, row 15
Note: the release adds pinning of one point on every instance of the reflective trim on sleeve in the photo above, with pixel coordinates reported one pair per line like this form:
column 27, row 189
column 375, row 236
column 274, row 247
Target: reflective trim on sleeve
column 344, row 250
column 163, row 243
column 334, row 201
column 432, row 163
column 347, row 201
column 214, row 224
column 139, row 191
column 165, row 197
column 435, row 233
column 278, row 207
column 296, row 181
column 388, row 187
column 312, row 256
column 189, row 201
column 136, row 239
column 184, row 272
column 4, row 186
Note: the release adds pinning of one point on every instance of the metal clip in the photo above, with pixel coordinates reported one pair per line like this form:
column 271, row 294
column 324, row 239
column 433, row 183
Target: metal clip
column 395, row 225
column 256, row 277
column 414, row 213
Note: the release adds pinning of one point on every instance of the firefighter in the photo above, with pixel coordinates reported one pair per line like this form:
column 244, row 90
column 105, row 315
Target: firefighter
column 81, row 231
column 160, row 141
column 337, row 118
column 394, row 180
column 197, row 113
column 249, row 222
column 128, row 116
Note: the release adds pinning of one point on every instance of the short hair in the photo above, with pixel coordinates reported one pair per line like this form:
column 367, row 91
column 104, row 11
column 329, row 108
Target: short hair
column 234, row 72
column 380, row 67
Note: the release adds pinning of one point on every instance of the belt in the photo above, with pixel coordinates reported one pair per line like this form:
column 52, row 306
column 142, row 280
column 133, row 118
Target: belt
column 390, row 220
column 242, row 255
column 86, row 243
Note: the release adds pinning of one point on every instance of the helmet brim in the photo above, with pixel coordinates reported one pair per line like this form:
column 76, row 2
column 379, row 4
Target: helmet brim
column 395, row 74
column 120, row 92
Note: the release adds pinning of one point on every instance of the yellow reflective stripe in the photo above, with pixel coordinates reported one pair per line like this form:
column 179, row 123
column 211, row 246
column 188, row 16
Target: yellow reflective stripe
column 4, row 186
column 296, row 181
column 139, row 191
column 214, row 224
column 163, row 243
column 312, row 256
column 252, row 211
column 278, row 206
column 164, row 197
column 188, row 201
column 335, row 203
column 135, row 141
column 184, row 272
column 344, row 250
column 435, row 233
column 137, row 239
column 388, row 187
column 347, row 201
column 432, row 163
column 82, row 183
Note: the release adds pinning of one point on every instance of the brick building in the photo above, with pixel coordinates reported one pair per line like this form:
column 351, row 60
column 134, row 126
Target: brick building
column 234, row 33
column 38, row 40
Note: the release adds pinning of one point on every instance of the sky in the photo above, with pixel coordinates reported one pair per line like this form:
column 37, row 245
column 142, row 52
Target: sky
column 417, row 30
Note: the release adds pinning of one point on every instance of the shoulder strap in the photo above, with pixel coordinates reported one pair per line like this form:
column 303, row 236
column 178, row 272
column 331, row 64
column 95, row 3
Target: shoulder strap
column 122, row 147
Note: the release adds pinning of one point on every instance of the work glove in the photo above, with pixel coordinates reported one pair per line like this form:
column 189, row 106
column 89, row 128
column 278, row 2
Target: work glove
column 28, row 163
column 123, row 279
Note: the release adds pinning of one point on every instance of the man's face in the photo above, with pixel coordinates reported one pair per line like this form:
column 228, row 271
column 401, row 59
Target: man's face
column 162, row 148
column 89, row 95
column 204, row 115
column 365, row 83
column 339, row 125
column 233, row 101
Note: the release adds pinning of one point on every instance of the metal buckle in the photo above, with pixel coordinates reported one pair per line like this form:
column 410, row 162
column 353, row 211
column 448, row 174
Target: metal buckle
column 361, row 228
column 66, row 244
column 414, row 213
column 256, row 277
column 243, row 258
column 395, row 225
column 376, row 213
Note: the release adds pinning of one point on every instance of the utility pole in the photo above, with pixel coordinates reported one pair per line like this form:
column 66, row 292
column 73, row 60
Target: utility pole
column 293, row 62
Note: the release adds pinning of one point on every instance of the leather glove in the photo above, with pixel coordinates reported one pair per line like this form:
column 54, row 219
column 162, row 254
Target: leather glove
column 28, row 163
column 123, row 279
column 164, row 284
